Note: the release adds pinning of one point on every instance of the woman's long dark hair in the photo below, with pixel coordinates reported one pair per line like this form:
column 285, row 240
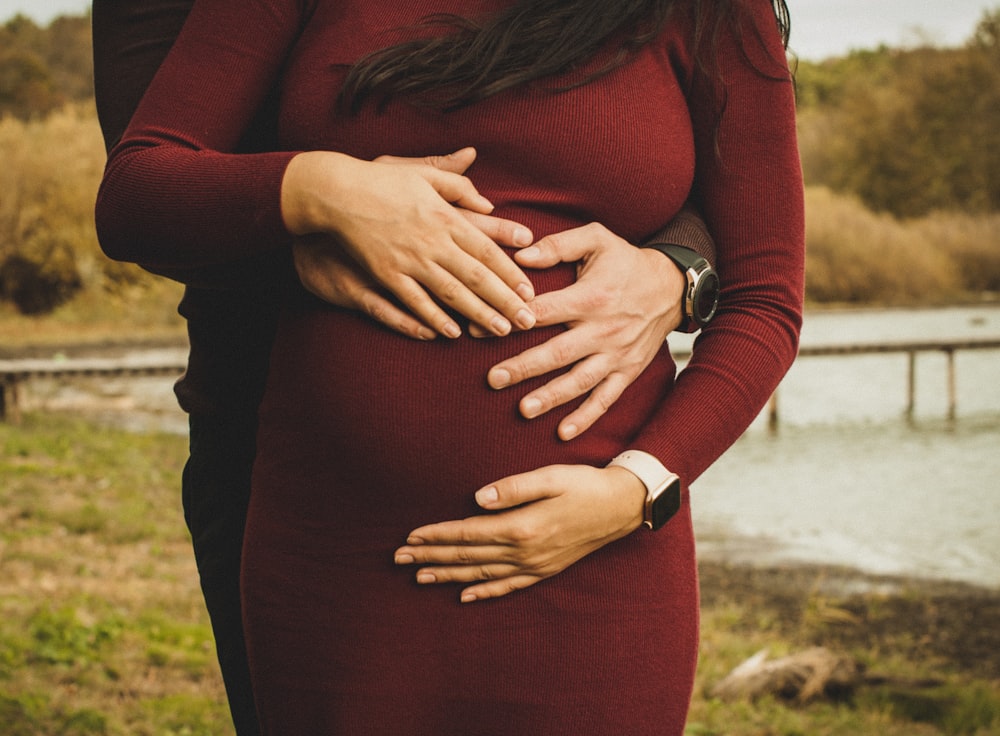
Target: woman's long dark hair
column 526, row 42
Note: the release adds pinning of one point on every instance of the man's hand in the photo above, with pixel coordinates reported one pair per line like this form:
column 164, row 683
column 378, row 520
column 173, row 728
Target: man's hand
column 626, row 300
column 326, row 271
column 545, row 520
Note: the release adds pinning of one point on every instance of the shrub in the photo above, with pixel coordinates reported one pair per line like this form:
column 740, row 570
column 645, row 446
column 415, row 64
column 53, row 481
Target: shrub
column 48, row 245
column 856, row 256
column 972, row 242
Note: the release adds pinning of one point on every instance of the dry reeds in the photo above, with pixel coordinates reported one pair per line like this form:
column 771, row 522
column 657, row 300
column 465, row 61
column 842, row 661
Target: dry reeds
column 857, row 256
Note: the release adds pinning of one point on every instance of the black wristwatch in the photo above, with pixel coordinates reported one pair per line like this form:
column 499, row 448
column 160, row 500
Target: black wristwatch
column 701, row 298
column 663, row 488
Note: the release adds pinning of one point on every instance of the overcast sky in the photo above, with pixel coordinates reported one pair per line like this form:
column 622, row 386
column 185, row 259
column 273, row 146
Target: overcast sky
column 820, row 28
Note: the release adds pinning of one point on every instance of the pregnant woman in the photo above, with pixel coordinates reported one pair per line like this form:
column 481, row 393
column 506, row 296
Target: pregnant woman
column 419, row 557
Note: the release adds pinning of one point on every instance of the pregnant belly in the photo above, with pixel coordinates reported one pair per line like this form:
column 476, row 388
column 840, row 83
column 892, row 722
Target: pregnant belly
column 382, row 426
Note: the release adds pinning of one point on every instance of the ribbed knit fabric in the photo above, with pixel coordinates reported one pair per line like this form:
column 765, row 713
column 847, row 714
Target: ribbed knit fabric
column 366, row 435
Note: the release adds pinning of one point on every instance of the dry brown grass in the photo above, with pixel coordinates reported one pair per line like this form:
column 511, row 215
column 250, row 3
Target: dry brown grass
column 857, row 256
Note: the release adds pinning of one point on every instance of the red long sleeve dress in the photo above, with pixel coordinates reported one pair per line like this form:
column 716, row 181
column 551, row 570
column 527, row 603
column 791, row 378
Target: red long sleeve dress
column 365, row 435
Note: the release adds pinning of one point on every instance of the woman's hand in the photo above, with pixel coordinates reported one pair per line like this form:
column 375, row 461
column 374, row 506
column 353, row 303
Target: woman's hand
column 546, row 520
column 626, row 300
column 401, row 223
column 326, row 271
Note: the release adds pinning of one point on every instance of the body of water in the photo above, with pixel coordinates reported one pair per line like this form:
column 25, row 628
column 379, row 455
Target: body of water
column 847, row 480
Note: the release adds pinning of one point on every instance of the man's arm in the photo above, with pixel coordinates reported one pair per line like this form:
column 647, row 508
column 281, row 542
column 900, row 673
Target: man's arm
column 687, row 229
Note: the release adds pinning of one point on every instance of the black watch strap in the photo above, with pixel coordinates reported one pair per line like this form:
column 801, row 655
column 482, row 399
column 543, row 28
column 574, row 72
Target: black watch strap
column 683, row 256
column 702, row 293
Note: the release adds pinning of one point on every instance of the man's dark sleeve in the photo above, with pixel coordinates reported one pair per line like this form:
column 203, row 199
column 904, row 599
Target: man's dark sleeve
column 131, row 39
column 687, row 229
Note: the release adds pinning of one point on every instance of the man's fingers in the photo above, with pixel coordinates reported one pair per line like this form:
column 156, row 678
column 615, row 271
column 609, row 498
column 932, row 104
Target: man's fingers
column 382, row 310
column 576, row 382
column 564, row 247
column 562, row 306
column 604, row 395
column 560, row 351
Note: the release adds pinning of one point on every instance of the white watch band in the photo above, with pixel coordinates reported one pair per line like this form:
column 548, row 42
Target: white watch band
column 657, row 480
column 645, row 467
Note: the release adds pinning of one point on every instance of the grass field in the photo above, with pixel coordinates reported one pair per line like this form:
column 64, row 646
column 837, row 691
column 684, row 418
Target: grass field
column 102, row 629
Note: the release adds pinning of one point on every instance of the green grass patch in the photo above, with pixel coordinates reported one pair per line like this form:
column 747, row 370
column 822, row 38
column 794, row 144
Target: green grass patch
column 102, row 625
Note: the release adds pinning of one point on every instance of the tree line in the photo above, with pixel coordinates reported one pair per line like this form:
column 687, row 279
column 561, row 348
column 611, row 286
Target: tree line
column 907, row 131
column 902, row 144
column 44, row 68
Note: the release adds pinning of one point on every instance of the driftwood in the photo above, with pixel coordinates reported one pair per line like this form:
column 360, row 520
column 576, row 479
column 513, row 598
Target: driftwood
column 800, row 677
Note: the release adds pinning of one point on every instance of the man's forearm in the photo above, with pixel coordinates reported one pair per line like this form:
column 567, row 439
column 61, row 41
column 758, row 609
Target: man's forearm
column 687, row 229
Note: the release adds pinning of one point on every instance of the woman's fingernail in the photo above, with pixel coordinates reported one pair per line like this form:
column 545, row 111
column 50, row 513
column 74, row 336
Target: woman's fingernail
column 525, row 291
column 499, row 378
column 500, row 325
column 452, row 330
column 487, row 496
column 530, row 407
column 468, row 597
column 525, row 319
column 425, row 577
column 569, row 431
column 404, row 559
column 522, row 236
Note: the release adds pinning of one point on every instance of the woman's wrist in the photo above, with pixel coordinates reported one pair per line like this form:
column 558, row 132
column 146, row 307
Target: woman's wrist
column 630, row 492
column 312, row 181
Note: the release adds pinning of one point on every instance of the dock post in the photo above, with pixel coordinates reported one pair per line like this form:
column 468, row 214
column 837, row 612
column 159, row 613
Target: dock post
column 911, row 384
column 10, row 409
column 952, row 397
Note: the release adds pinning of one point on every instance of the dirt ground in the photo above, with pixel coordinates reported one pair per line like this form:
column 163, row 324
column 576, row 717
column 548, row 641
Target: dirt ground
column 952, row 625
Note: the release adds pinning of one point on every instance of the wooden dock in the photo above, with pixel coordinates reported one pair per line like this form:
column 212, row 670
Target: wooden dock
column 909, row 348
column 15, row 373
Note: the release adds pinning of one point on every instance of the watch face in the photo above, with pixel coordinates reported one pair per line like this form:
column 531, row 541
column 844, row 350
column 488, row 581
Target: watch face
column 706, row 298
column 666, row 504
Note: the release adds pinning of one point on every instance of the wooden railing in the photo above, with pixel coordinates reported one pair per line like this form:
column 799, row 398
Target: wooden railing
column 15, row 373
column 911, row 349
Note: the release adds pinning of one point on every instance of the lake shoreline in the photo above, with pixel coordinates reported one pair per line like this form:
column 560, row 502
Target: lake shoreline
column 948, row 623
